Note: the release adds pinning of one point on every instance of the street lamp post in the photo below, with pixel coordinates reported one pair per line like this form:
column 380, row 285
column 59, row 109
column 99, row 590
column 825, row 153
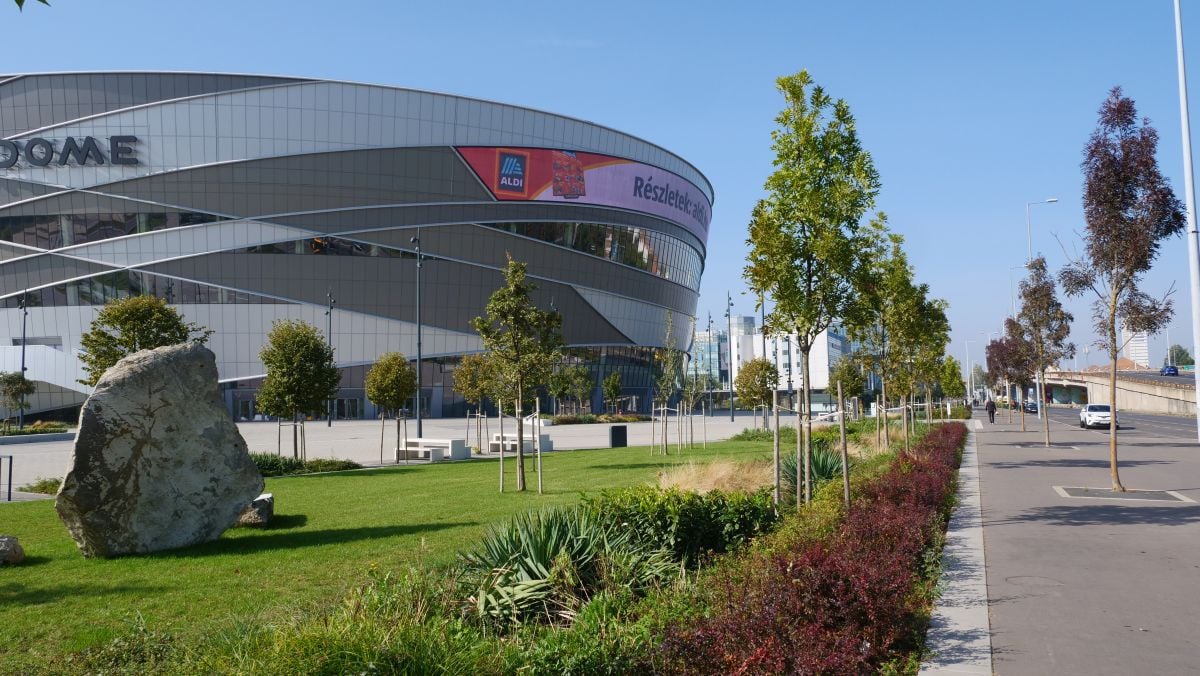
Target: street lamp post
column 1193, row 237
column 708, row 363
column 970, row 371
column 1029, row 229
column 417, row 242
column 329, row 341
column 729, row 317
column 23, row 305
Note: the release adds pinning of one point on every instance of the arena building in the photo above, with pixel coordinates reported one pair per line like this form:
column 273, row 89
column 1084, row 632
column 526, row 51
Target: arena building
column 244, row 199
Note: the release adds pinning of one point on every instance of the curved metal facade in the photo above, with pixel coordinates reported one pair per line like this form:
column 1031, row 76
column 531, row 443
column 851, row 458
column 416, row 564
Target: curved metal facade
column 247, row 199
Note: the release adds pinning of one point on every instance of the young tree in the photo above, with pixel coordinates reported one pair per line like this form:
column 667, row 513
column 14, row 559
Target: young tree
column 805, row 237
column 559, row 385
column 579, row 385
column 127, row 325
column 390, row 383
column 1178, row 356
column 1130, row 209
column 848, row 370
column 951, row 378
column 612, row 390
column 471, row 379
column 670, row 360
column 523, row 345
column 1045, row 324
column 755, row 382
column 301, row 374
column 15, row 390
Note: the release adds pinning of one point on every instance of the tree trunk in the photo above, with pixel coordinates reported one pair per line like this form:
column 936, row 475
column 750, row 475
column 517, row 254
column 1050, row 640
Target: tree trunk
column 904, row 419
column 500, row 409
column 1045, row 411
column 1112, row 400
column 1022, row 405
column 845, row 449
column 295, row 439
column 520, row 439
column 1008, row 399
column 887, row 425
column 775, row 452
column 807, row 428
column 799, row 452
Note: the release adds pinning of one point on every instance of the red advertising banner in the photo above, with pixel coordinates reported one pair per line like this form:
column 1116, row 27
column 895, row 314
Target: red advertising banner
column 544, row 174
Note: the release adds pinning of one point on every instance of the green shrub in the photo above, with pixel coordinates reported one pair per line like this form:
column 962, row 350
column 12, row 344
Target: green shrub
column 544, row 566
column 270, row 464
column 329, row 465
column 692, row 526
column 42, row 485
column 960, row 412
column 39, row 427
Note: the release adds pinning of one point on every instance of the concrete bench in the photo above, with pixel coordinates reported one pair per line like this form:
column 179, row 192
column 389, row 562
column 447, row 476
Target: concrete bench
column 510, row 443
column 436, row 450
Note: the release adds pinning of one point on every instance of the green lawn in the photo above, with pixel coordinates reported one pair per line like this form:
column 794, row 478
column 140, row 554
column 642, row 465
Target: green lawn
column 328, row 530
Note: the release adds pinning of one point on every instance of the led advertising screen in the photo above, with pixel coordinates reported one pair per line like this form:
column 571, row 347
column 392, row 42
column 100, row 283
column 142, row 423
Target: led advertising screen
column 543, row 174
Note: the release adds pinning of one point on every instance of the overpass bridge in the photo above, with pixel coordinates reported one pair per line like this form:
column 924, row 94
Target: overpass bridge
column 1142, row 391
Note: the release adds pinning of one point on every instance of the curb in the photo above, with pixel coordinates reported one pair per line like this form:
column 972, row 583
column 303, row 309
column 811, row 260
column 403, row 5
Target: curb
column 959, row 639
column 37, row 438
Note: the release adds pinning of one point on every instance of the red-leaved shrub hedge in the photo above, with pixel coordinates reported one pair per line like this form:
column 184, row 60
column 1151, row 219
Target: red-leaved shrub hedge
column 835, row 607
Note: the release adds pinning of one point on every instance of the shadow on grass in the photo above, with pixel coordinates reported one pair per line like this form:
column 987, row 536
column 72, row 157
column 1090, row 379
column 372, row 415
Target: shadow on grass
column 285, row 521
column 32, row 561
column 650, row 462
column 293, row 539
column 19, row 594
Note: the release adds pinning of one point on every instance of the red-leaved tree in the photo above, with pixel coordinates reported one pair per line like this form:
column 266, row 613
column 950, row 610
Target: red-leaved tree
column 1130, row 209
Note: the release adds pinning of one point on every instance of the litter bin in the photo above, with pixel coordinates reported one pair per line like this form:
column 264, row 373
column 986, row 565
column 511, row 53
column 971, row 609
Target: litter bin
column 618, row 437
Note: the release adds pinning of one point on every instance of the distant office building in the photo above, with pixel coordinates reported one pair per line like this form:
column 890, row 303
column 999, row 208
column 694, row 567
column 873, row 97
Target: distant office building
column 1137, row 347
column 711, row 352
column 829, row 346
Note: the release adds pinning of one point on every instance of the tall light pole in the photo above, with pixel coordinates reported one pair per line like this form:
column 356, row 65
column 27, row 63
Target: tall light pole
column 729, row 317
column 417, row 242
column 1029, row 229
column 329, row 341
column 970, row 371
column 1012, row 294
column 1193, row 247
column 23, row 305
column 708, row 363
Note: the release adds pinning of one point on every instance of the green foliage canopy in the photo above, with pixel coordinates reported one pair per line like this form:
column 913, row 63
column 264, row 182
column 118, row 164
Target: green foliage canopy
column 301, row 374
column 755, row 382
column 127, row 325
column 391, row 382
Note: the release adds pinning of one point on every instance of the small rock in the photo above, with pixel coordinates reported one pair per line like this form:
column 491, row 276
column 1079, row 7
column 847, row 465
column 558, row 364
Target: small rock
column 10, row 550
column 259, row 512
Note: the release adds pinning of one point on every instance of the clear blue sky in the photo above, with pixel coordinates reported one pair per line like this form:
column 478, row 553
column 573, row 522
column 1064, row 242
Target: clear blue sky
column 971, row 109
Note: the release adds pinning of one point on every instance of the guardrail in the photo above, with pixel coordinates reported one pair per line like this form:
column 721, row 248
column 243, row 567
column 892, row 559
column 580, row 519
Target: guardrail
column 10, row 474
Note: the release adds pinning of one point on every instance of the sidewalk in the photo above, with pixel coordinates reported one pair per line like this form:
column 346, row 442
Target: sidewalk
column 1087, row 585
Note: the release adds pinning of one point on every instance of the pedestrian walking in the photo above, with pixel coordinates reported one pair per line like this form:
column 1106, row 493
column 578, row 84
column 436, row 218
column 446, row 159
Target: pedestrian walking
column 991, row 410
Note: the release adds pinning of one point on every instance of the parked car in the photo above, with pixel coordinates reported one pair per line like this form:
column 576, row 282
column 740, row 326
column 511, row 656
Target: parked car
column 1030, row 406
column 1096, row 415
column 1168, row 371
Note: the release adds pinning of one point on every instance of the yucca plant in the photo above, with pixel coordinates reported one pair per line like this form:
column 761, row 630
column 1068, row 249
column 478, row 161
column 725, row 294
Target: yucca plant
column 826, row 465
column 545, row 565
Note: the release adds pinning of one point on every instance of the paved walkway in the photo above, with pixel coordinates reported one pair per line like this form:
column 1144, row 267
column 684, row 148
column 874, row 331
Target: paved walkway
column 1088, row 585
column 358, row 440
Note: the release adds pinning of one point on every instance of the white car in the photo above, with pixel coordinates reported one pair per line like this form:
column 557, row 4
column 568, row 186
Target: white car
column 1095, row 415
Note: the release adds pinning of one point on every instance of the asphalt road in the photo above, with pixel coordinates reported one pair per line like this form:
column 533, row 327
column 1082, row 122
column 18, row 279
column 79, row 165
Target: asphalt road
column 1176, row 429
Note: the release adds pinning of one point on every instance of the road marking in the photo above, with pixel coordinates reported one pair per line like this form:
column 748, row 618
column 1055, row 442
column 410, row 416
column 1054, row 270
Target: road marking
column 1063, row 492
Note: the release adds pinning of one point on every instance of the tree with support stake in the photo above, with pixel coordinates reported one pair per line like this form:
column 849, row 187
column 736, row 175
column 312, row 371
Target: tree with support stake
column 1130, row 211
column 523, row 345
column 389, row 384
column 1045, row 325
column 301, row 375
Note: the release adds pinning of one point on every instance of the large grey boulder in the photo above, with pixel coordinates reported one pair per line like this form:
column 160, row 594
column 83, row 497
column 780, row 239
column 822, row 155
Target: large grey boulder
column 158, row 464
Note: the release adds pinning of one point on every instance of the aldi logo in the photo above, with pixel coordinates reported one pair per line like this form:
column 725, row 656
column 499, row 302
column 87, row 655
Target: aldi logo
column 511, row 169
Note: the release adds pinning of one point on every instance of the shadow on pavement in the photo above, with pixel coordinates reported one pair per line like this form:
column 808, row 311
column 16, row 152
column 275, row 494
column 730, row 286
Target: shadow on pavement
column 1095, row 515
column 1087, row 463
